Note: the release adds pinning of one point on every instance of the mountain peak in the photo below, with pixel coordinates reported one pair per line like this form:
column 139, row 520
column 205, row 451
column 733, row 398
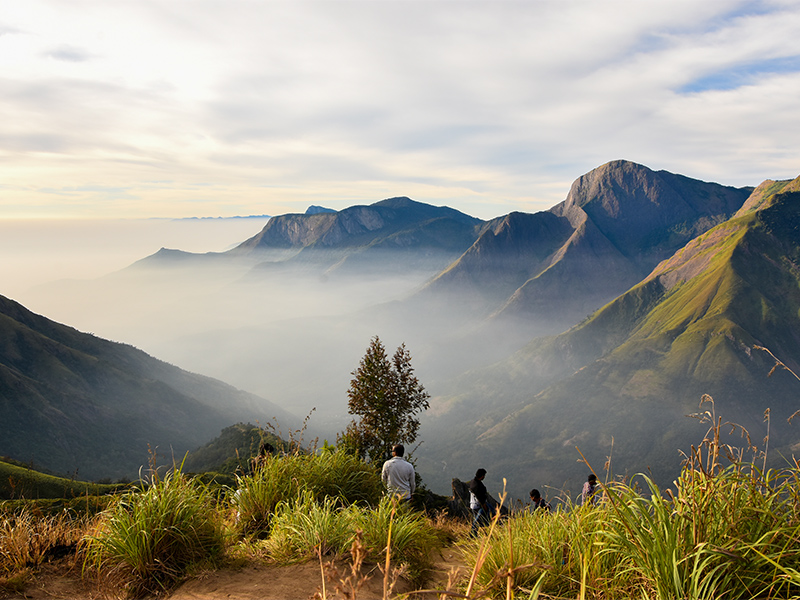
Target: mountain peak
column 315, row 210
column 766, row 191
column 399, row 202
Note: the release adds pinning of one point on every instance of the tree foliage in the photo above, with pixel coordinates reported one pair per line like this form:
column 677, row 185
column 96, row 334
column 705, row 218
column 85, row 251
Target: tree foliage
column 387, row 396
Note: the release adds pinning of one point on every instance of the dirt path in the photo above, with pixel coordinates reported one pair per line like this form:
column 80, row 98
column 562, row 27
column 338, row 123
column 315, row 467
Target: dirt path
column 61, row 580
column 297, row 582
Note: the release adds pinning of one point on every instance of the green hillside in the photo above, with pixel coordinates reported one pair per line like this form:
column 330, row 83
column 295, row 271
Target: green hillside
column 18, row 482
column 628, row 375
column 231, row 450
column 74, row 403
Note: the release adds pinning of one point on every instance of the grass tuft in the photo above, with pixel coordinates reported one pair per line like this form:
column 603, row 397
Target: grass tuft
column 146, row 541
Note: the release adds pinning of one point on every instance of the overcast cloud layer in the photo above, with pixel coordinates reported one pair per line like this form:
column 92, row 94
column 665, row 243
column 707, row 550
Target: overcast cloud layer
column 172, row 108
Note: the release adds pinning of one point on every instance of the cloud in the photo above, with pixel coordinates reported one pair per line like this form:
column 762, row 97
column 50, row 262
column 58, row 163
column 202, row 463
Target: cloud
column 488, row 106
column 68, row 54
column 743, row 74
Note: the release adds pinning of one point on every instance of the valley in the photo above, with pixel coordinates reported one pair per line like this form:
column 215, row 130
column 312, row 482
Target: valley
column 596, row 326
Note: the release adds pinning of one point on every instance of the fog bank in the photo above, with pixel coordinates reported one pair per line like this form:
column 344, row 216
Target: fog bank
column 37, row 251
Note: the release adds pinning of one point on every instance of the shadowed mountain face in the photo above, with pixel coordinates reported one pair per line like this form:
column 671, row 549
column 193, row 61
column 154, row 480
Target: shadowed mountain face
column 620, row 383
column 73, row 402
column 397, row 232
column 617, row 223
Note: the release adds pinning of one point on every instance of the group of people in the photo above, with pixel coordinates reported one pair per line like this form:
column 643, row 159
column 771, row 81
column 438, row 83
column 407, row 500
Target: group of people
column 483, row 508
column 400, row 480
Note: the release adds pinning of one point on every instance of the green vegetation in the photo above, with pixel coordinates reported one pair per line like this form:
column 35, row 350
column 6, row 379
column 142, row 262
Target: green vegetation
column 727, row 530
column 334, row 475
column 304, row 528
column 386, row 396
column 149, row 539
column 19, row 482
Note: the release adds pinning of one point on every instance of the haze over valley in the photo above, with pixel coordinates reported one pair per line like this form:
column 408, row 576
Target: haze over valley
column 287, row 313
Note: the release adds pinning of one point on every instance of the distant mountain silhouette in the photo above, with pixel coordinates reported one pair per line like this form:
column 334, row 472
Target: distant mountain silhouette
column 396, row 233
column 72, row 402
column 693, row 326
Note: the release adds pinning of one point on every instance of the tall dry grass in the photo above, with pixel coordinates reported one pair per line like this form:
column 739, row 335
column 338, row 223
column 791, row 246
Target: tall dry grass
column 28, row 538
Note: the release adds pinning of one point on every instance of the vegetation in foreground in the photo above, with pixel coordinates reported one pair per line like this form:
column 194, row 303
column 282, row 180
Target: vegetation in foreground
column 728, row 529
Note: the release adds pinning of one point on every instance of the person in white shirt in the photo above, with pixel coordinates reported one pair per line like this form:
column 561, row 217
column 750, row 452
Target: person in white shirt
column 398, row 475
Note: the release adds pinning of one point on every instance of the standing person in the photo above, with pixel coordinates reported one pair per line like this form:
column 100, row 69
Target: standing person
column 589, row 492
column 479, row 501
column 398, row 475
column 538, row 502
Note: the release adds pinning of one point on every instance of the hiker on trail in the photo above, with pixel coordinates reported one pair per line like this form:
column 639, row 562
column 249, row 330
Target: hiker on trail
column 589, row 492
column 398, row 475
column 479, row 501
column 537, row 502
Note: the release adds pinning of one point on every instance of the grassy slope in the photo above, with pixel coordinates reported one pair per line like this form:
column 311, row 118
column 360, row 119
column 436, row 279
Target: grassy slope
column 17, row 482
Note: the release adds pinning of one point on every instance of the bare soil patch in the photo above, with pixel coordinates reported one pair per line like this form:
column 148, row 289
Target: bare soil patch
column 61, row 580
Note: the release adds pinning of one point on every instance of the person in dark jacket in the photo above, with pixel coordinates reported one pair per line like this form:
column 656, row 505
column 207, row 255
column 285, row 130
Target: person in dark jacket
column 537, row 502
column 479, row 501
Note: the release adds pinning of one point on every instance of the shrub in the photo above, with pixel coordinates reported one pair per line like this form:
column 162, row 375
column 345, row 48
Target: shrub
column 413, row 537
column 304, row 528
column 146, row 541
column 335, row 475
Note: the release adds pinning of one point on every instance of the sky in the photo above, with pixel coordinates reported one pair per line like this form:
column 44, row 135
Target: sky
column 178, row 108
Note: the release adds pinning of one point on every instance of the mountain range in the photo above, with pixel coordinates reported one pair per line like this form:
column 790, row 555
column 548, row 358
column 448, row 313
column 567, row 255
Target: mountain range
column 596, row 325
column 711, row 319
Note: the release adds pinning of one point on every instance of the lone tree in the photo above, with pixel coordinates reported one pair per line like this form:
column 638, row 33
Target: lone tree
column 386, row 395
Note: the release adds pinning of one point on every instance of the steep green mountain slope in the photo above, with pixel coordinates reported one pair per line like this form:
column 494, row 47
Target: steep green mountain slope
column 630, row 373
column 74, row 403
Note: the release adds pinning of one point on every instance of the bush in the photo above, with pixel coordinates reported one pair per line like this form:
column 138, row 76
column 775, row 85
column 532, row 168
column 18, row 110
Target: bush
column 335, row 475
column 413, row 537
column 304, row 528
column 146, row 541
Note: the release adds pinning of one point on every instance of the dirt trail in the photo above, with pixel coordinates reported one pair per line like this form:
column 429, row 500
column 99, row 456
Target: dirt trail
column 61, row 580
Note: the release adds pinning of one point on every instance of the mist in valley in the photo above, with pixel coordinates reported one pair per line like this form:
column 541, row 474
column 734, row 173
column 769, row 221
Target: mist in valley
column 292, row 335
